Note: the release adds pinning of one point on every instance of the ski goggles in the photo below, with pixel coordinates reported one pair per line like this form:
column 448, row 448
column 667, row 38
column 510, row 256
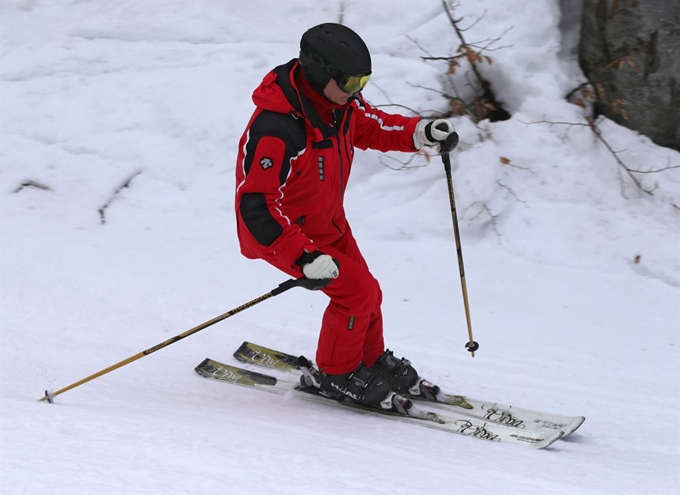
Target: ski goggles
column 353, row 84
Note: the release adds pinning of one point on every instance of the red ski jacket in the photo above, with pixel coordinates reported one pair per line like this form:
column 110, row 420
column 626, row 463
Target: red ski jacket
column 292, row 168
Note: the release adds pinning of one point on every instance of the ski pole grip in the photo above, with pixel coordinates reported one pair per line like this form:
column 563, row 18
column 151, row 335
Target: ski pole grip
column 448, row 145
column 307, row 283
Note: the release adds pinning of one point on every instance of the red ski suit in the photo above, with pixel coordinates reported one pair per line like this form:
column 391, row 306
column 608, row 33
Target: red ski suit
column 293, row 165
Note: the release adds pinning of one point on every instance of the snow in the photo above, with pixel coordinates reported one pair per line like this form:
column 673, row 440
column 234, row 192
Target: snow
column 120, row 122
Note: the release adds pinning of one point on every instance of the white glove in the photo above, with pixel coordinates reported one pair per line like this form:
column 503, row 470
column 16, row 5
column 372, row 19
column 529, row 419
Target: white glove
column 432, row 133
column 321, row 267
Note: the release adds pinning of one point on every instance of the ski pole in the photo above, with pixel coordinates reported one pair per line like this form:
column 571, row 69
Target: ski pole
column 310, row 284
column 445, row 148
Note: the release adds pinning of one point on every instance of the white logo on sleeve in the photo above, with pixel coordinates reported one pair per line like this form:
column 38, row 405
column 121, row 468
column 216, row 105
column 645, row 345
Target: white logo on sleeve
column 266, row 163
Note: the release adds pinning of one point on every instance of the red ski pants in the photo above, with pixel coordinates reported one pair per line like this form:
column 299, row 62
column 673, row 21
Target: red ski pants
column 352, row 326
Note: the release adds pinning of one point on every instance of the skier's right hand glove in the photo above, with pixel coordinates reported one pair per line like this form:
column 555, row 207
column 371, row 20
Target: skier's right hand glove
column 317, row 265
column 432, row 133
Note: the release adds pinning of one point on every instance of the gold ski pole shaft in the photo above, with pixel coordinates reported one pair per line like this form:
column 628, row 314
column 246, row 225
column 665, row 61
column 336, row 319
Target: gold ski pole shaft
column 445, row 148
column 289, row 284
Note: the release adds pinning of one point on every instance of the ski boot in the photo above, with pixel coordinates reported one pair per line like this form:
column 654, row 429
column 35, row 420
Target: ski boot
column 362, row 386
column 403, row 377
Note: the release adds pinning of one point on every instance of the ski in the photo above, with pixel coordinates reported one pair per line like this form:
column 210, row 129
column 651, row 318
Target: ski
column 440, row 400
column 403, row 410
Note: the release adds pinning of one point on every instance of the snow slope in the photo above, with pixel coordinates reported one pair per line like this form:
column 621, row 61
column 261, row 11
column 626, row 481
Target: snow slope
column 120, row 122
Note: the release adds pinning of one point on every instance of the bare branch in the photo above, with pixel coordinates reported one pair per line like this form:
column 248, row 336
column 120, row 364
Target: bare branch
column 596, row 130
column 32, row 183
column 512, row 193
column 577, row 89
column 510, row 164
column 459, row 33
column 484, row 208
column 397, row 105
column 592, row 124
column 483, row 104
column 654, row 171
column 487, row 47
column 476, row 21
column 404, row 165
column 125, row 184
column 419, row 46
column 453, row 102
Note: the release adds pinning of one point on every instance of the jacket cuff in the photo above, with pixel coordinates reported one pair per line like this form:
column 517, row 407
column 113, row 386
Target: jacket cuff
column 307, row 258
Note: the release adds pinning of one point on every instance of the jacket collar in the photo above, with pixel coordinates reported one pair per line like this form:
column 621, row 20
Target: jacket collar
column 297, row 103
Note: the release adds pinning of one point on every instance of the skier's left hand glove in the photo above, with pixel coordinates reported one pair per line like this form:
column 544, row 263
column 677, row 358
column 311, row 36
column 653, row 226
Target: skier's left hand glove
column 432, row 133
column 318, row 265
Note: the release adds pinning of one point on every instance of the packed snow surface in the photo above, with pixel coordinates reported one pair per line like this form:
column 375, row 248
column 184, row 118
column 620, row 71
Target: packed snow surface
column 120, row 123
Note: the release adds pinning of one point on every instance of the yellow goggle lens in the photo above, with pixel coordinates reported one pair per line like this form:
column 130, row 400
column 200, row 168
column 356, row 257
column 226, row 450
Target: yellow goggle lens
column 353, row 84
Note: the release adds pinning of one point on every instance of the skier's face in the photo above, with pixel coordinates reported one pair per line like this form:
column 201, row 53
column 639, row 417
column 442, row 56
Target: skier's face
column 333, row 92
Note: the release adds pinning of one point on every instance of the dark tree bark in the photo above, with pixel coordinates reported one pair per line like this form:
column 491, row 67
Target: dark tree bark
column 630, row 51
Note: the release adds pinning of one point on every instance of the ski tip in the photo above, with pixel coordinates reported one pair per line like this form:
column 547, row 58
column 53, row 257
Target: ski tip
column 576, row 424
column 550, row 440
column 209, row 368
column 243, row 352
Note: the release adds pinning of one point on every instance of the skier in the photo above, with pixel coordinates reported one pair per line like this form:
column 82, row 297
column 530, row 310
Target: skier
column 294, row 161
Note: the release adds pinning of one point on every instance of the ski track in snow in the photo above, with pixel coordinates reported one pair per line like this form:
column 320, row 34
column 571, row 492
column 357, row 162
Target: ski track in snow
column 119, row 133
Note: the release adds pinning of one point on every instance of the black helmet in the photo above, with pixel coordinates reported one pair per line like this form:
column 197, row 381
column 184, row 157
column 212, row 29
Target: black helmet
column 335, row 51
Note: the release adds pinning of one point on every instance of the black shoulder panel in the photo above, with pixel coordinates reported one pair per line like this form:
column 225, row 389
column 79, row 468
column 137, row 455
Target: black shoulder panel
column 289, row 129
column 283, row 73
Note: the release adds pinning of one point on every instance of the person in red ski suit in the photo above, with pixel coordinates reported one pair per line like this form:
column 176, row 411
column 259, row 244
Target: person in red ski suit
column 293, row 166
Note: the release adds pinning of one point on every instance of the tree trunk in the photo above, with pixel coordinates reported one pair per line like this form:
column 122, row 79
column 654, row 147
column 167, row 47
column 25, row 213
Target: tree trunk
column 630, row 51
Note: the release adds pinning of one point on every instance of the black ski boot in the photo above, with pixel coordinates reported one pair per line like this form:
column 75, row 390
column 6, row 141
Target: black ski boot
column 398, row 372
column 363, row 386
